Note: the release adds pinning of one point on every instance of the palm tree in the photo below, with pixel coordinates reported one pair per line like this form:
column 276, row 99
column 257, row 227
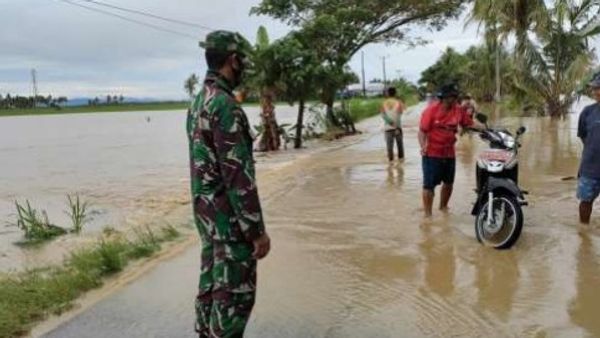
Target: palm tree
column 503, row 18
column 264, row 81
column 552, row 52
column 552, row 66
column 190, row 85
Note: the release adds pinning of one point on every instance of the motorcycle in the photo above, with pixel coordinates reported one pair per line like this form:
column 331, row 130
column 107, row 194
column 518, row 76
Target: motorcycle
column 498, row 209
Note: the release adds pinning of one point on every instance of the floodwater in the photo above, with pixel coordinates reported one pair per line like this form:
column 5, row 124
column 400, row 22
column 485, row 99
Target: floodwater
column 132, row 167
column 352, row 256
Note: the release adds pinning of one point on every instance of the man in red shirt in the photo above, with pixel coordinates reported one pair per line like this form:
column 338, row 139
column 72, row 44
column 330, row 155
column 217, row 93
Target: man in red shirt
column 437, row 136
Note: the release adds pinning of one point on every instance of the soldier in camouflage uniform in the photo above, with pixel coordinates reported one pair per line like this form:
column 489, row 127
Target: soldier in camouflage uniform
column 226, row 206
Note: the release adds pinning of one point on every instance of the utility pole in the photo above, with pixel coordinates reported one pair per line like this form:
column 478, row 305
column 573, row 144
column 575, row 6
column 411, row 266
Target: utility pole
column 497, row 96
column 362, row 61
column 34, row 87
column 384, row 73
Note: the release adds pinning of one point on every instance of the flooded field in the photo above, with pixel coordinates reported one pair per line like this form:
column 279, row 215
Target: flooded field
column 352, row 256
column 132, row 167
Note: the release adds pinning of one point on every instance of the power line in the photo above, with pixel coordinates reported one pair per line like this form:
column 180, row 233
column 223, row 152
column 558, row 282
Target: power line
column 167, row 30
column 147, row 14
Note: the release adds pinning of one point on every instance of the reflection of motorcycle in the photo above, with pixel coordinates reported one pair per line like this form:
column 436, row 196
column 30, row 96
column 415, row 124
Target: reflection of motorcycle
column 497, row 211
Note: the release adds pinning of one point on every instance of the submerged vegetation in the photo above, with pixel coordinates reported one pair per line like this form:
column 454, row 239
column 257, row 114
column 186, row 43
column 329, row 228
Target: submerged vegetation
column 29, row 297
column 37, row 227
column 77, row 212
column 35, row 224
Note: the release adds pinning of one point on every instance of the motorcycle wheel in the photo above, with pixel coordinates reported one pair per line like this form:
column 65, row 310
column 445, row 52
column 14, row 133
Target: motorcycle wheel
column 506, row 209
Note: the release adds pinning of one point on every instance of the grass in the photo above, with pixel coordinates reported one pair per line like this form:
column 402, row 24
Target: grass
column 35, row 224
column 77, row 212
column 29, row 297
column 361, row 109
column 126, row 107
column 99, row 109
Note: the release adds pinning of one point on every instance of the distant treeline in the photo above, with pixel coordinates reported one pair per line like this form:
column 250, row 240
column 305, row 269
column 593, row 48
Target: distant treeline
column 9, row 101
column 28, row 102
column 109, row 100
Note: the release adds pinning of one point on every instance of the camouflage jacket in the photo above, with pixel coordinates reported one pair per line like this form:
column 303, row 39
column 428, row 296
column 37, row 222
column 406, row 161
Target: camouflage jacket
column 225, row 197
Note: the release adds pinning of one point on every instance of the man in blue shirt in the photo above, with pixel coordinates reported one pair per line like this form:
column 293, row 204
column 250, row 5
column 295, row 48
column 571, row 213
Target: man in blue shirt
column 588, row 187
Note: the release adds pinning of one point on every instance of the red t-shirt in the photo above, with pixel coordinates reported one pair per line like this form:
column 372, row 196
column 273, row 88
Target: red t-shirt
column 441, row 128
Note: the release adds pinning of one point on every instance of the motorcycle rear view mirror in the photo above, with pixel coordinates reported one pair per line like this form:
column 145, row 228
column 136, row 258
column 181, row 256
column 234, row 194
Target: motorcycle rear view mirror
column 521, row 130
column 481, row 118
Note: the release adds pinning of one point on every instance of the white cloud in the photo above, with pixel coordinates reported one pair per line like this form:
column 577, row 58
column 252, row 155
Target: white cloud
column 81, row 53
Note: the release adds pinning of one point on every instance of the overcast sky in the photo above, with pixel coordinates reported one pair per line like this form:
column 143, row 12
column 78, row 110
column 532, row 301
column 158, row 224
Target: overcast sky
column 80, row 53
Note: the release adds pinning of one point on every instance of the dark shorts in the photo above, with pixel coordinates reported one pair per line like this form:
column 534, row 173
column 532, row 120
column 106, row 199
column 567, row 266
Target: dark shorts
column 438, row 170
column 588, row 189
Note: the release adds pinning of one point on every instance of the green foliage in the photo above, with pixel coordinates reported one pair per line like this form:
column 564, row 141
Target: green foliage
column 170, row 233
column 340, row 28
column 77, row 212
column 449, row 68
column 126, row 107
column 262, row 38
column 361, row 109
column 332, row 31
column 404, row 88
column 28, row 297
column 14, row 102
column 551, row 66
column 552, row 54
column 145, row 245
column 36, row 227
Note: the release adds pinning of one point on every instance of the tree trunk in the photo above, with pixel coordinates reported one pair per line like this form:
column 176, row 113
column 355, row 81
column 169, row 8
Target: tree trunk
column 270, row 139
column 497, row 96
column 330, row 113
column 299, row 125
column 554, row 109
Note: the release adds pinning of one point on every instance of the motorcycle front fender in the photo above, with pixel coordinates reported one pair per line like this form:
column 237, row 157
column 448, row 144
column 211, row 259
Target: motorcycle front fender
column 495, row 184
column 504, row 184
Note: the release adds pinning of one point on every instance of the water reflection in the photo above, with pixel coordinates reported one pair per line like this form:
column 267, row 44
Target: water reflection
column 497, row 276
column 395, row 175
column 585, row 306
column 437, row 250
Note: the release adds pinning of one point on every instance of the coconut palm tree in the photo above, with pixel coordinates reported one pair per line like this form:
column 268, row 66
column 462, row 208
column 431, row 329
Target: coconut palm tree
column 190, row 85
column 552, row 65
column 503, row 18
column 264, row 81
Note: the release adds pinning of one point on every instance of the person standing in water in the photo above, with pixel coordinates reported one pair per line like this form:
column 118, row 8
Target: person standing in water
column 437, row 135
column 588, row 187
column 391, row 112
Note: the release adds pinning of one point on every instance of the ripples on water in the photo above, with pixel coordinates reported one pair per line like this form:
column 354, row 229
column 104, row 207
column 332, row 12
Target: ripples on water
column 352, row 256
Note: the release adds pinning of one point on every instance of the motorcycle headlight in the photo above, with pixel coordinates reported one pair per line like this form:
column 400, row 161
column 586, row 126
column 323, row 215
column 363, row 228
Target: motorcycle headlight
column 508, row 141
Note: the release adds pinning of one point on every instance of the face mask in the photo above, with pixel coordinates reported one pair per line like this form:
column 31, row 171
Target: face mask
column 238, row 71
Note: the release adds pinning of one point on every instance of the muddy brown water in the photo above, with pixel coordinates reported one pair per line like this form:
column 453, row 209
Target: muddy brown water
column 352, row 256
column 132, row 168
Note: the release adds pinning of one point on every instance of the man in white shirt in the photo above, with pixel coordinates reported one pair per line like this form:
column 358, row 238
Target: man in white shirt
column 391, row 113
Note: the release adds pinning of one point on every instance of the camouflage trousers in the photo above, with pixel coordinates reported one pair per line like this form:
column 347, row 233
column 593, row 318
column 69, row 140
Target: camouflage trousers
column 227, row 289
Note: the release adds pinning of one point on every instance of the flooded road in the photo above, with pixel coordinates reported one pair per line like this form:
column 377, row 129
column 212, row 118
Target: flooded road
column 352, row 256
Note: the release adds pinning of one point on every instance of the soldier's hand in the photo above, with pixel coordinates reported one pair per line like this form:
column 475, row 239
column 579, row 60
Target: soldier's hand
column 262, row 246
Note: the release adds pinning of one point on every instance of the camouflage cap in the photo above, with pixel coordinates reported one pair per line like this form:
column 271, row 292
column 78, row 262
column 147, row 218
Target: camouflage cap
column 226, row 41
